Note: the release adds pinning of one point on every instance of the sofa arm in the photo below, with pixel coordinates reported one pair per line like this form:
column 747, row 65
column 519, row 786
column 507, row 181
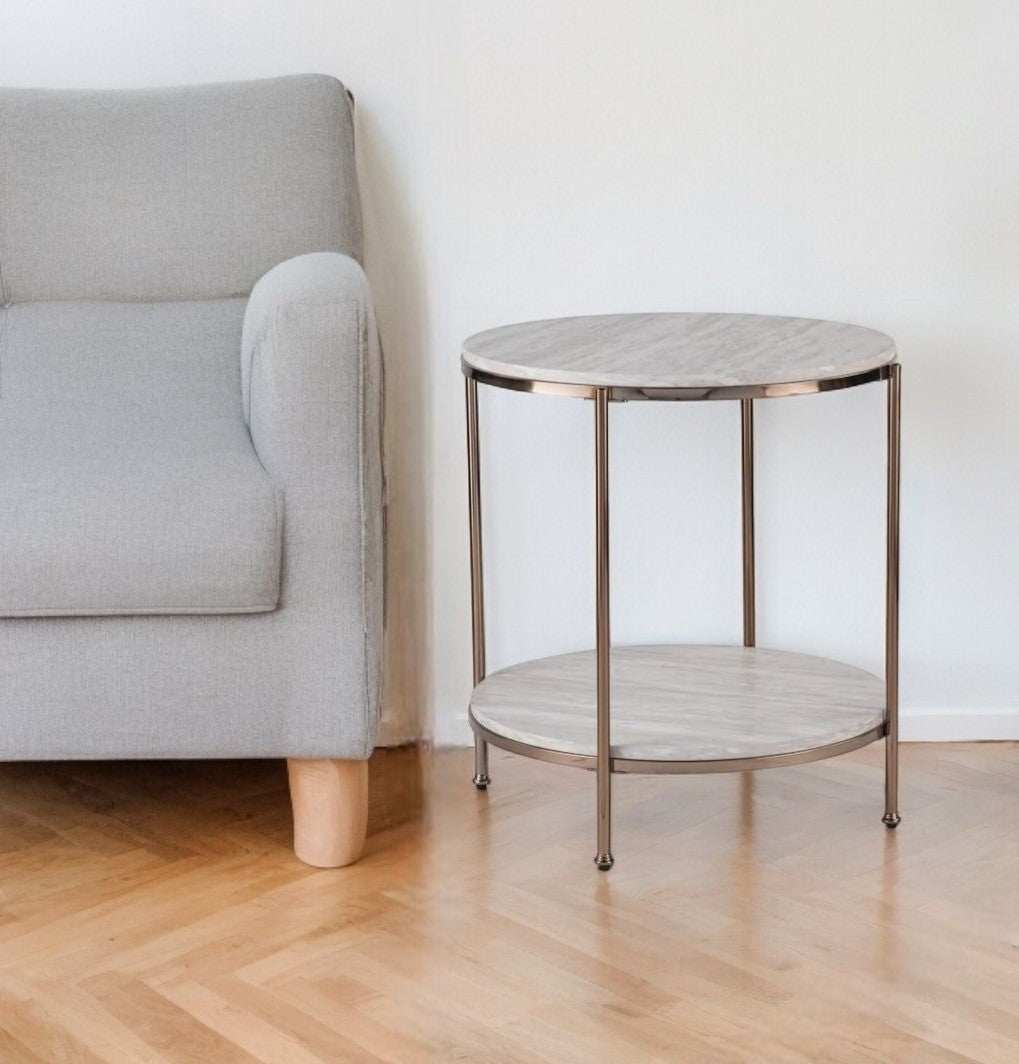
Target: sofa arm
column 309, row 320
column 312, row 393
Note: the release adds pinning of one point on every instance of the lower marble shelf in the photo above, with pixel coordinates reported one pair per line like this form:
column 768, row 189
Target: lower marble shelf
column 683, row 708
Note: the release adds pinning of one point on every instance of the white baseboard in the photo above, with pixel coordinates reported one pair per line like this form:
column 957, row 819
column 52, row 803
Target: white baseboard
column 917, row 725
column 943, row 725
column 452, row 731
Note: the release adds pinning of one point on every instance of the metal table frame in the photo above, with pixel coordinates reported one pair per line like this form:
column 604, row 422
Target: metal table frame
column 603, row 763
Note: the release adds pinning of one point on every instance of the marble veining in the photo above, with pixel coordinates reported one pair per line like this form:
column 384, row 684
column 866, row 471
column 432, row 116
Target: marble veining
column 678, row 350
column 684, row 703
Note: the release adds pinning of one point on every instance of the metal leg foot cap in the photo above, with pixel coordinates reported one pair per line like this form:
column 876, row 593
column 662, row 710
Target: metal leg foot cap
column 604, row 861
column 482, row 780
column 891, row 820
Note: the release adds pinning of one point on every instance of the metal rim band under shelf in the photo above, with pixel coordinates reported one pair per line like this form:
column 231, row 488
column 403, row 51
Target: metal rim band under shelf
column 626, row 393
column 625, row 764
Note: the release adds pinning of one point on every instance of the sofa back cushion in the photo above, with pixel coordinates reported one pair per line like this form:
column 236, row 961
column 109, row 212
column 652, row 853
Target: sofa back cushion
column 169, row 194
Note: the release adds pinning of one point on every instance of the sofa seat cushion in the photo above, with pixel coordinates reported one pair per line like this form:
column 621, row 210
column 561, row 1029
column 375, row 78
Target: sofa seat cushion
column 128, row 481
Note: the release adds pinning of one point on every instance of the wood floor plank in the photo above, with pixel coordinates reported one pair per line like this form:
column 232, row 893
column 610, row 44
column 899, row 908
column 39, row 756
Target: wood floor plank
column 153, row 914
column 173, row 1032
column 25, row 1019
column 15, row 1051
column 68, row 1012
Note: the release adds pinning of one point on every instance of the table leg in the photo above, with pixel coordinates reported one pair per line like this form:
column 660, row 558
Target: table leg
column 749, row 571
column 746, row 409
column 603, row 859
column 481, row 777
column 891, row 817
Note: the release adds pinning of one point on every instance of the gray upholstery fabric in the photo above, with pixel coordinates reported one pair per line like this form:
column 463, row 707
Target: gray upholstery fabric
column 314, row 412
column 128, row 483
column 189, row 193
column 118, row 406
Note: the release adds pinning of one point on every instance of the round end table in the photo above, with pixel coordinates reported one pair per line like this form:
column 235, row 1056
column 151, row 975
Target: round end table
column 681, row 708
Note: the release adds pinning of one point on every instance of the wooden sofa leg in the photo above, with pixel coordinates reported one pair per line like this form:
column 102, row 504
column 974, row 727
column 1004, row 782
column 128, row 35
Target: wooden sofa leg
column 330, row 801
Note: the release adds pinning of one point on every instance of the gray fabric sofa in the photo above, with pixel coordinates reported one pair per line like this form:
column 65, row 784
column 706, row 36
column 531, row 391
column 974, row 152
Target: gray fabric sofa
column 190, row 444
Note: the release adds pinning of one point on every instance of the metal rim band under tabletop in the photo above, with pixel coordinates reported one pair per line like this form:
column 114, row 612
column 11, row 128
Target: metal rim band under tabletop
column 630, row 393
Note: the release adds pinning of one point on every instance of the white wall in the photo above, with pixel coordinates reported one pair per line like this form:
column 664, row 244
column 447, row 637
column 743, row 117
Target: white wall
column 855, row 160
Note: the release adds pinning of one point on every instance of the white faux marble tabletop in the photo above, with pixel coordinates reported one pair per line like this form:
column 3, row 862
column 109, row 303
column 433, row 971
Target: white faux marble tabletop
column 681, row 351
column 683, row 703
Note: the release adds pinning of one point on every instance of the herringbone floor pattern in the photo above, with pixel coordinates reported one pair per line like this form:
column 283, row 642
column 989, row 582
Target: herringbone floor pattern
column 155, row 913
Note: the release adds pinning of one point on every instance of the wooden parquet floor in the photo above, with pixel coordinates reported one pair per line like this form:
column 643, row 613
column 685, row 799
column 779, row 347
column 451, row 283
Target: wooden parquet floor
column 154, row 912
